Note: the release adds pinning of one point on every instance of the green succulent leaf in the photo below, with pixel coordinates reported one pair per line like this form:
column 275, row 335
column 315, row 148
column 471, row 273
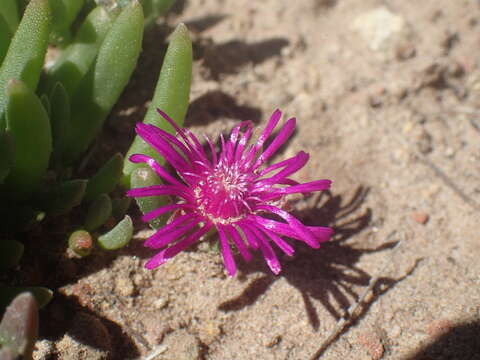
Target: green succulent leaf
column 19, row 326
column 99, row 91
column 41, row 294
column 162, row 6
column 6, row 154
column 118, row 237
column 76, row 59
column 155, row 9
column 64, row 13
column 9, row 12
column 29, row 126
column 171, row 94
column 46, row 104
column 17, row 218
column 61, row 198
column 81, row 243
column 7, row 354
column 59, row 121
column 98, row 212
column 105, row 180
column 5, row 38
column 25, row 55
column 120, row 207
column 143, row 177
column 11, row 252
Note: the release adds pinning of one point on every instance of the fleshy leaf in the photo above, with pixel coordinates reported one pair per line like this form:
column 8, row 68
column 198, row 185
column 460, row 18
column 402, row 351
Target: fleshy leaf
column 42, row 295
column 119, row 236
column 76, row 59
column 61, row 198
column 29, row 126
column 120, row 207
column 105, row 180
column 64, row 13
column 11, row 252
column 101, row 88
column 81, row 243
column 144, row 177
column 171, row 94
column 19, row 326
column 98, row 212
column 25, row 56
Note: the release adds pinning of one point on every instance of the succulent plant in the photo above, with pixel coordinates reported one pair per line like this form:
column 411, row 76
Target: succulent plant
column 50, row 115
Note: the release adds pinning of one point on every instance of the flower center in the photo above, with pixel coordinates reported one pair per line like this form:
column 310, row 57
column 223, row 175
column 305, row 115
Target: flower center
column 221, row 194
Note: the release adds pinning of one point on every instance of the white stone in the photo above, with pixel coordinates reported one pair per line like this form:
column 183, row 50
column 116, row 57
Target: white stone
column 378, row 27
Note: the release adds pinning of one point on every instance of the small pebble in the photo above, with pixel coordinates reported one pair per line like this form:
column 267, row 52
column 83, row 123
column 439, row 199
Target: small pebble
column 155, row 329
column 373, row 344
column 399, row 91
column 210, row 332
column 449, row 152
column 425, row 142
column 124, row 287
column 455, row 69
column 160, row 303
column 420, row 217
column 405, row 51
column 274, row 341
column 44, row 350
column 395, row 332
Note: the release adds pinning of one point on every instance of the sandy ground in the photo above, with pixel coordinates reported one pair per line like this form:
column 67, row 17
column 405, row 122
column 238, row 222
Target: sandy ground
column 386, row 97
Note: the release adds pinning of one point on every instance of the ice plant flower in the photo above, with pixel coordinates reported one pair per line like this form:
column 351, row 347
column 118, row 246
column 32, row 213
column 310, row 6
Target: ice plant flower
column 232, row 190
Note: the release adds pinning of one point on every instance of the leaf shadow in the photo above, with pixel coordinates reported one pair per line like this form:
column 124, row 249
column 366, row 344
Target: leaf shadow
column 65, row 316
column 328, row 275
column 204, row 23
column 229, row 57
column 460, row 343
column 218, row 104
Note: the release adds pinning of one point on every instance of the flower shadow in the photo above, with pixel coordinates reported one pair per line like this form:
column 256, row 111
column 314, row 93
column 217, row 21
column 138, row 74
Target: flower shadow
column 328, row 275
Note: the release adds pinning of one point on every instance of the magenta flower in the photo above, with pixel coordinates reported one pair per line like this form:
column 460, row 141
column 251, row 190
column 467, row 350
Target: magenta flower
column 231, row 190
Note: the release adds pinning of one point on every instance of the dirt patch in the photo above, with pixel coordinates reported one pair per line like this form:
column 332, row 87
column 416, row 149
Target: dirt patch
column 386, row 95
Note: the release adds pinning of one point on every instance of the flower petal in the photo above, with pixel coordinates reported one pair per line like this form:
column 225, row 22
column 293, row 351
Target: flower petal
column 243, row 141
column 321, row 233
column 290, row 166
column 239, row 243
column 267, row 251
column 212, row 150
column 195, row 147
column 309, row 187
column 159, row 190
column 251, row 238
column 282, row 136
column 166, row 254
column 160, row 170
column 158, row 241
column 282, row 244
column 162, row 210
column 271, row 124
column 228, row 259
column 294, row 223
column 152, row 135
column 173, row 225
